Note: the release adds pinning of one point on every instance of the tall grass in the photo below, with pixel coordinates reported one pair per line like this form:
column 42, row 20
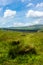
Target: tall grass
column 18, row 48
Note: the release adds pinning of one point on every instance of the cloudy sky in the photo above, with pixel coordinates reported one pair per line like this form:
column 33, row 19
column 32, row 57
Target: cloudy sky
column 20, row 12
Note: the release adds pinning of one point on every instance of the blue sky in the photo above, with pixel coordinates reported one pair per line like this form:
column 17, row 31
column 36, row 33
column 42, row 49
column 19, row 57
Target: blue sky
column 20, row 12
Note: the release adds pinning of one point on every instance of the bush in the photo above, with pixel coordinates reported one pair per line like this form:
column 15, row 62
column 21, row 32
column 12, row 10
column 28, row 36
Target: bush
column 15, row 42
column 14, row 52
column 29, row 50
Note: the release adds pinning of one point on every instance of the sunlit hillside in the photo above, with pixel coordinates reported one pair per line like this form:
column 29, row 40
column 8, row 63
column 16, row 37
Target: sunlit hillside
column 21, row 48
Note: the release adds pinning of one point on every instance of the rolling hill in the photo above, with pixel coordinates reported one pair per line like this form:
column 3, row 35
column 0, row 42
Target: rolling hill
column 26, row 28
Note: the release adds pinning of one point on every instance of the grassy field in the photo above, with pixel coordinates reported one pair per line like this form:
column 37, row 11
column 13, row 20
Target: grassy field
column 21, row 48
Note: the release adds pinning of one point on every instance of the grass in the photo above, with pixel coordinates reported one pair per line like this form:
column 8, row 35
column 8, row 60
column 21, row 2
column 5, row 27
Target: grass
column 21, row 48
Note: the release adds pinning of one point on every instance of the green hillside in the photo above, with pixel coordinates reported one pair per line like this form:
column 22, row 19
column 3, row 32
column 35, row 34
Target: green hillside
column 31, row 27
column 21, row 48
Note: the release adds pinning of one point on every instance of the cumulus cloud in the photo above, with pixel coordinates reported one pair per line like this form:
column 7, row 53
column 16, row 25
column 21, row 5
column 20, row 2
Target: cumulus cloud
column 32, row 13
column 30, row 4
column 9, row 13
column 39, row 5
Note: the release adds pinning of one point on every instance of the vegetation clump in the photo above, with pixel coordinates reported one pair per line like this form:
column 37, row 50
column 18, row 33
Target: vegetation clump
column 14, row 52
column 15, row 42
column 28, row 51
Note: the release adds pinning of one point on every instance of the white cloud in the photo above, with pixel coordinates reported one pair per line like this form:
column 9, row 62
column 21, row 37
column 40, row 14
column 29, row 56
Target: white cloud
column 9, row 13
column 30, row 4
column 36, row 21
column 0, row 9
column 20, row 24
column 5, row 2
column 22, row 0
column 5, row 22
column 32, row 13
column 39, row 5
column 25, row 1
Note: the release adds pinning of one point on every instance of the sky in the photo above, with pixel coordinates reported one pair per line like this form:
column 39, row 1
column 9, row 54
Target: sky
column 16, row 13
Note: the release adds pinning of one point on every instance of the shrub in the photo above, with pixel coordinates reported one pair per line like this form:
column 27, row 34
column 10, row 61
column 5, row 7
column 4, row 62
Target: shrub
column 15, row 42
column 14, row 52
column 28, row 50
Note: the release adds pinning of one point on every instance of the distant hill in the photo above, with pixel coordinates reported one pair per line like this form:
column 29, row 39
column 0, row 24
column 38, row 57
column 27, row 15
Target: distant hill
column 26, row 28
column 31, row 27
